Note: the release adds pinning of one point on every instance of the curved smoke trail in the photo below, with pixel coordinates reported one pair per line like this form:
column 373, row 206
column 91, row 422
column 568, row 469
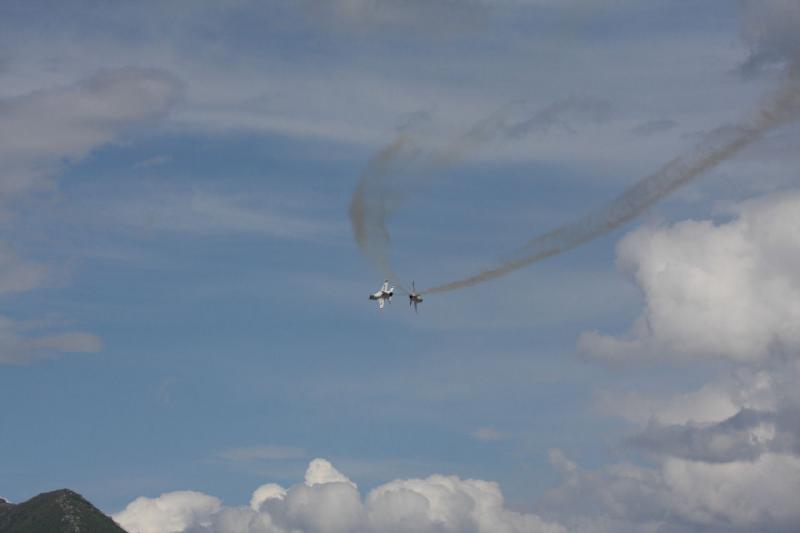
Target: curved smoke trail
column 368, row 209
column 372, row 201
column 782, row 108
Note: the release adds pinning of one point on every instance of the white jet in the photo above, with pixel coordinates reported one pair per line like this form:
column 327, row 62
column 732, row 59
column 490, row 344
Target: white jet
column 384, row 294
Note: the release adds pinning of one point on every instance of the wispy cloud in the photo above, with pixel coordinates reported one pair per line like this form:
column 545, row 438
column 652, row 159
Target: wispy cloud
column 262, row 453
column 16, row 274
column 488, row 434
column 154, row 161
column 652, row 127
column 41, row 129
column 24, row 342
column 208, row 213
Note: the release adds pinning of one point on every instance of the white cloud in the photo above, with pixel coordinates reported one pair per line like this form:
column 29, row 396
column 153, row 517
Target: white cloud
column 680, row 495
column 727, row 290
column 742, row 437
column 727, row 454
column 264, row 493
column 173, row 512
column 328, row 502
column 760, row 494
column 237, row 520
column 450, row 503
column 743, row 388
column 320, row 472
column 740, row 417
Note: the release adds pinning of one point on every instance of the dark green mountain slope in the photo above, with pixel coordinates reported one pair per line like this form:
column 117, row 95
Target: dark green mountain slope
column 60, row 511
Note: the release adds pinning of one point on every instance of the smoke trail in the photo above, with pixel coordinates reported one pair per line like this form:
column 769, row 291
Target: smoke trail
column 784, row 107
column 374, row 200
column 368, row 208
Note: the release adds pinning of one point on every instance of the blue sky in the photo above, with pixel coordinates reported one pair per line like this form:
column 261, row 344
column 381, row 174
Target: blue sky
column 183, row 305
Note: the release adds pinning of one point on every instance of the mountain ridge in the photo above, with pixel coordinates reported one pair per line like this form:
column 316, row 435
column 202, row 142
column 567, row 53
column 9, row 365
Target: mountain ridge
column 58, row 511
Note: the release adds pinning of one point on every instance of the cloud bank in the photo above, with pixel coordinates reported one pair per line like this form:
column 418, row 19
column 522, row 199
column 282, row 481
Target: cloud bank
column 727, row 455
column 728, row 461
column 328, row 502
column 679, row 496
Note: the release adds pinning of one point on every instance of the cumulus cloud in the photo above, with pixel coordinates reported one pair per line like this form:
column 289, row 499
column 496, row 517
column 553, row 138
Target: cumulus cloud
column 740, row 417
column 320, row 472
column 727, row 455
column 742, row 388
column 728, row 290
column 328, row 502
column 734, row 474
column 680, row 495
column 742, row 437
column 173, row 512
column 266, row 492
column 742, row 494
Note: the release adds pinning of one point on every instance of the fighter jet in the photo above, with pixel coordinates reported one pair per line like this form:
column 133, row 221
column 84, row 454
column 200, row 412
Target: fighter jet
column 384, row 294
column 414, row 298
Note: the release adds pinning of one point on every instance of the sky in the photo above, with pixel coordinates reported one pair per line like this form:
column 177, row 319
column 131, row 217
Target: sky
column 185, row 334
